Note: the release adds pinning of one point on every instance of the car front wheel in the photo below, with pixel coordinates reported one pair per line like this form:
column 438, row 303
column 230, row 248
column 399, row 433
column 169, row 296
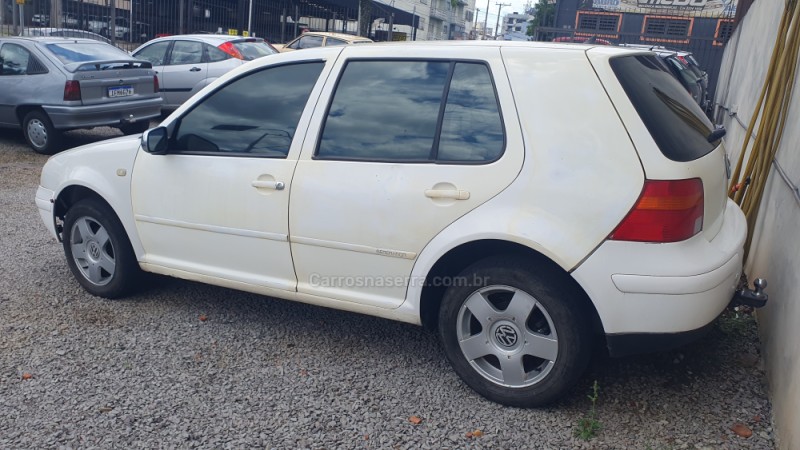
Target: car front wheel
column 40, row 133
column 98, row 251
column 514, row 332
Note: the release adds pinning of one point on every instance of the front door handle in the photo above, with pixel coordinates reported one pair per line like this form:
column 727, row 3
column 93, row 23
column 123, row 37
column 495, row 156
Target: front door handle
column 455, row 194
column 195, row 69
column 277, row 185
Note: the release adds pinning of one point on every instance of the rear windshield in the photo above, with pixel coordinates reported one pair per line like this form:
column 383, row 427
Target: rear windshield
column 253, row 49
column 678, row 125
column 75, row 52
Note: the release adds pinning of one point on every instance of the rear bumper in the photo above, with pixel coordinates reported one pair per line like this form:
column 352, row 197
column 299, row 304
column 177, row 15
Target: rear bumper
column 110, row 114
column 620, row 345
column 641, row 288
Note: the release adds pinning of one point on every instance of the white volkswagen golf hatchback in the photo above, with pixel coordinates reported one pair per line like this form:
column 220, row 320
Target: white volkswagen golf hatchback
column 523, row 198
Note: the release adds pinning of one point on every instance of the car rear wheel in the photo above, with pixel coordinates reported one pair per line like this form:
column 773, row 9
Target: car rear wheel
column 135, row 128
column 513, row 333
column 40, row 133
column 98, row 251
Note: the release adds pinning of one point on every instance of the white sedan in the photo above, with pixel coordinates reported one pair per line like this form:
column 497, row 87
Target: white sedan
column 524, row 198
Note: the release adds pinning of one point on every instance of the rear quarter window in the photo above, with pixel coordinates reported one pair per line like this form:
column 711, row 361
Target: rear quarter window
column 675, row 121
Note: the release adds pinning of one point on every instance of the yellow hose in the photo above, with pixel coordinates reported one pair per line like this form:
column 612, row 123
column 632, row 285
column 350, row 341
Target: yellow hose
column 747, row 187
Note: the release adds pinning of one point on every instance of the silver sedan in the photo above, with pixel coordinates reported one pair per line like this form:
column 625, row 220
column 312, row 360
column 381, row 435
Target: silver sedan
column 50, row 85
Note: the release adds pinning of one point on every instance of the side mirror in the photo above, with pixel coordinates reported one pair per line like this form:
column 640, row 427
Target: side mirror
column 154, row 141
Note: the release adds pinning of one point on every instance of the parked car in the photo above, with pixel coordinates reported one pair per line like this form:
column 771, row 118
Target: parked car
column 313, row 39
column 582, row 40
column 454, row 185
column 69, row 20
column 40, row 20
column 185, row 64
column 50, row 85
column 63, row 33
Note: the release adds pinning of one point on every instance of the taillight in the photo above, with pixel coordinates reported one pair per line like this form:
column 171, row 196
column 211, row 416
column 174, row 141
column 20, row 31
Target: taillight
column 156, row 88
column 230, row 49
column 72, row 91
column 667, row 211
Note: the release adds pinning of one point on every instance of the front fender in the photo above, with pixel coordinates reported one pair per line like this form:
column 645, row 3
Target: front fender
column 105, row 168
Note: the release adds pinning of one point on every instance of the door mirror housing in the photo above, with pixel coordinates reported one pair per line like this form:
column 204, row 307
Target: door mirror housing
column 154, row 141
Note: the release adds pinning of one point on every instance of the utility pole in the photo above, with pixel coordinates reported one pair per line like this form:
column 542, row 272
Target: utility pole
column 497, row 24
column 475, row 27
column 486, row 19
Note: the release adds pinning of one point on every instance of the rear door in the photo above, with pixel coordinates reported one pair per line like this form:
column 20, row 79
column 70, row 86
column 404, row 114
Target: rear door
column 405, row 147
column 22, row 76
column 185, row 68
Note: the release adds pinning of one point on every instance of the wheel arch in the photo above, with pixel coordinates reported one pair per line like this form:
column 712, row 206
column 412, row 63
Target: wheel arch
column 458, row 258
column 23, row 110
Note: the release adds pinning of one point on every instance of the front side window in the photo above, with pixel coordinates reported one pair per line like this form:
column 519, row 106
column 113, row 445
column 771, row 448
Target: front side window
column 154, row 53
column 413, row 111
column 186, row 52
column 255, row 115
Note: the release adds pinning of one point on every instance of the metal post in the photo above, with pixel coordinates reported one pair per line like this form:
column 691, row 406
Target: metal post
column 250, row 20
column 391, row 27
column 130, row 25
column 296, row 18
column 486, row 20
column 181, row 12
column 283, row 26
column 113, row 20
column 14, row 19
column 2, row 16
column 21, row 17
column 414, row 23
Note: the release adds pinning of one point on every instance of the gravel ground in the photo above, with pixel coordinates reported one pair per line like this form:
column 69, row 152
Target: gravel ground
column 82, row 372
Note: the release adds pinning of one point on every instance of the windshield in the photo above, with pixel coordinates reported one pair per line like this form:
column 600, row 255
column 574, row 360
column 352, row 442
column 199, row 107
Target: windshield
column 253, row 49
column 76, row 52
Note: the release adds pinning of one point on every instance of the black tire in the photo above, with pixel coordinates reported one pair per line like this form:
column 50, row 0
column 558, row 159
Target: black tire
column 40, row 133
column 105, row 264
column 558, row 315
column 136, row 127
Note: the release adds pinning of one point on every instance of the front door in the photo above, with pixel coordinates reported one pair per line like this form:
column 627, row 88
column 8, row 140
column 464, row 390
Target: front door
column 406, row 148
column 217, row 204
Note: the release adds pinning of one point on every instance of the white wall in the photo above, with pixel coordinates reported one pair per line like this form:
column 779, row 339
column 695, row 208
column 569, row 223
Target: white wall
column 775, row 254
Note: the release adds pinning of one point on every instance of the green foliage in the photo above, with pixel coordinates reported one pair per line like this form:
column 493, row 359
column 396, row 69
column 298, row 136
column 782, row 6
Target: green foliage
column 589, row 426
column 736, row 323
column 545, row 16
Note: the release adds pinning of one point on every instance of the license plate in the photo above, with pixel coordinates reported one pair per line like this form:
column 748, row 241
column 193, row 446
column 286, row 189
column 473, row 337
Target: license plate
column 120, row 91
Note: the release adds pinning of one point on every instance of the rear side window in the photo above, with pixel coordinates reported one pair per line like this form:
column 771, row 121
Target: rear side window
column 15, row 60
column 253, row 50
column 675, row 121
column 414, row 111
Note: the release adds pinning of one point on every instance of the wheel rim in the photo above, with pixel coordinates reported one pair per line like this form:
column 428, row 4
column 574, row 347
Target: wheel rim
column 92, row 251
column 37, row 133
column 507, row 336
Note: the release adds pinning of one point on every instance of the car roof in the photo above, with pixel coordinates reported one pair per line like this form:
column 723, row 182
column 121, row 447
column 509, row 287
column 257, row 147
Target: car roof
column 342, row 36
column 203, row 37
column 52, row 39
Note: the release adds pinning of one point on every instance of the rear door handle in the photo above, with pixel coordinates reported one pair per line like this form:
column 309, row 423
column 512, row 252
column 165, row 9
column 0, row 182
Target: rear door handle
column 455, row 194
column 195, row 69
column 277, row 185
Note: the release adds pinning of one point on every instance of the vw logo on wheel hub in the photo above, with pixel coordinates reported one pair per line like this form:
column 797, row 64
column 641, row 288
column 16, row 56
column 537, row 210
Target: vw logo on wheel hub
column 94, row 250
column 506, row 335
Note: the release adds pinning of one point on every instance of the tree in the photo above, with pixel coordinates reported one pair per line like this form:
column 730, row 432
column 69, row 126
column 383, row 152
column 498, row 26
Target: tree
column 544, row 16
column 365, row 19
